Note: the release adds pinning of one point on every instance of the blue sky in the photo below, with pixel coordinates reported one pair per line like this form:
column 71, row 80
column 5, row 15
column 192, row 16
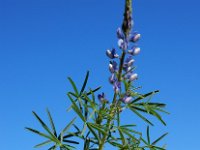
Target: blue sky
column 43, row 42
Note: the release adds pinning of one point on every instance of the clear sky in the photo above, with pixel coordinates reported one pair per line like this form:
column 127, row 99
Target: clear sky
column 44, row 41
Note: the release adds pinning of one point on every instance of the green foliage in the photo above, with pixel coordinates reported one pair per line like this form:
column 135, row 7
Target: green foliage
column 94, row 116
column 60, row 140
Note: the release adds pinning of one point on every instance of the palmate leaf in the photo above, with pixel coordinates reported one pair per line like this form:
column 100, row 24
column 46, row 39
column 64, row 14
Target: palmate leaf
column 51, row 136
column 46, row 128
column 82, row 96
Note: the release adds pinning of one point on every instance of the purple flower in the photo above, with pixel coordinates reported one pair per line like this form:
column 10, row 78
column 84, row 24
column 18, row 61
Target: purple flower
column 134, row 51
column 127, row 69
column 112, row 54
column 113, row 66
column 120, row 34
column 135, row 37
column 101, row 97
column 129, row 61
column 117, row 86
column 131, row 76
column 123, row 44
column 126, row 99
column 112, row 78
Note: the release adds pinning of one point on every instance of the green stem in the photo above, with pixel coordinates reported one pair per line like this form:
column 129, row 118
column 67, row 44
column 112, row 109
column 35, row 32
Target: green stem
column 113, row 106
column 126, row 28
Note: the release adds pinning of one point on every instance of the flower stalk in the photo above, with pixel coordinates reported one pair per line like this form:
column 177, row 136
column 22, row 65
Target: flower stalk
column 126, row 27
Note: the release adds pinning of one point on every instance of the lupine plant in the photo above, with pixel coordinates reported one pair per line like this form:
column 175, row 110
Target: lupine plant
column 101, row 117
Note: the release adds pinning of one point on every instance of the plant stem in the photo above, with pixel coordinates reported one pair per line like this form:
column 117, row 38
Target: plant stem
column 126, row 27
column 113, row 105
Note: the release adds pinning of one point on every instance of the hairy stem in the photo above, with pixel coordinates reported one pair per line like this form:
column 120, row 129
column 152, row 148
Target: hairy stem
column 126, row 27
column 113, row 105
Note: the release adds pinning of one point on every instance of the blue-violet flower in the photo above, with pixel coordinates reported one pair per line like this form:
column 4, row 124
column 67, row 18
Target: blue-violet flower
column 113, row 66
column 134, row 51
column 112, row 54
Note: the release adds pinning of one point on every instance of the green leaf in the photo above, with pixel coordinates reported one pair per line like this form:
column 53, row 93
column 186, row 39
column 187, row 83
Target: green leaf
column 46, row 128
column 122, row 136
column 144, row 96
column 142, row 117
column 86, row 144
column 158, row 139
column 68, row 126
column 158, row 117
column 93, row 132
column 71, row 135
column 52, row 123
column 128, row 125
column 148, row 136
column 42, row 144
column 76, row 109
column 98, row 127
column 116, row 144
column 127, row 132
column 74, row 86
column 53, row 147
column 40, row 133
column 68, row 147
column 71, row 141
column 73, row 94
column 84, row 84
column 94, row 90
column 84, row 129
column 153, row 104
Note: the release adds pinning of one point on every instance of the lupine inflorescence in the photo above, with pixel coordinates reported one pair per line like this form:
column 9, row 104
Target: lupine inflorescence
column 128, row 46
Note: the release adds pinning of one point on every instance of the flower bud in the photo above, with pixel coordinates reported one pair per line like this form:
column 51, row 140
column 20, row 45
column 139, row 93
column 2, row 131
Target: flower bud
column 112, row 54
column 133, row 77
column 122, row 44
column 126, row 99
column 113, row 67
column 112, row 78
column 134, row 51
column 117, row 86
column 120, row 34
column 135, row 37
column 101, row 97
